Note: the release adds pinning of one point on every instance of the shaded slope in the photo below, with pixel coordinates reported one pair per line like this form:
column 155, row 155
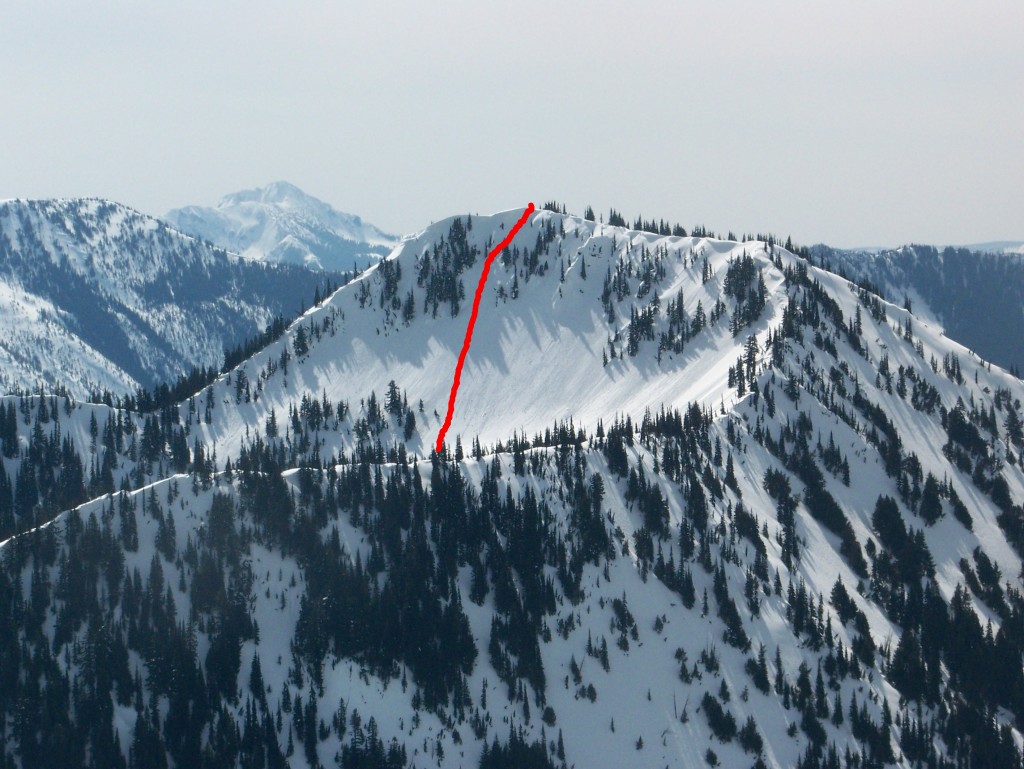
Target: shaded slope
column 100, row 296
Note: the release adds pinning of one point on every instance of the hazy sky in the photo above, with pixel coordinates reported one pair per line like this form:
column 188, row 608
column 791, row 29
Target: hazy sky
column 850, row 123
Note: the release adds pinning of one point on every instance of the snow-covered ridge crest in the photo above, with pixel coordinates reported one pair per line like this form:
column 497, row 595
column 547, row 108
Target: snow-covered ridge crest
column 281, row 223
column 544, row 348
column 976, row 292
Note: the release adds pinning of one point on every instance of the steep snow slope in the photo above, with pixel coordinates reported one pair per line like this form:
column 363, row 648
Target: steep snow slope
column 38, row 349
column 98, row 296
column 976, row 291
column 546, row 354
column 540, row 341
column 539, row 358
column 841, row 483
column 281, row 223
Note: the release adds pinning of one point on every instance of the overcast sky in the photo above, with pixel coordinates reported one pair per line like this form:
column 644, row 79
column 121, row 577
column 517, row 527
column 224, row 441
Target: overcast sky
column 855, row 124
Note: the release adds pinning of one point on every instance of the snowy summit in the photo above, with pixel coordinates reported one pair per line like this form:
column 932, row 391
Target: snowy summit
column 281, row 223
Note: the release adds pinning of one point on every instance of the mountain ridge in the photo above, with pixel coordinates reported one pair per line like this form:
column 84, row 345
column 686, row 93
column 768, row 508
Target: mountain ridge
column 280, row 223
column 977, row 295
column 703, row 503
column 104, row 297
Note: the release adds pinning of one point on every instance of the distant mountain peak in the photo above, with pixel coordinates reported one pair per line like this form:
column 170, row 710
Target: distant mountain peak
column 281, row 223
column 275, row 193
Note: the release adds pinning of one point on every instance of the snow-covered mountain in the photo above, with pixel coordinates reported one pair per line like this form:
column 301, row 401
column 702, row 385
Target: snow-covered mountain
column 94, row 295
column 280, row 223
column 976, row 292
column 703, row 503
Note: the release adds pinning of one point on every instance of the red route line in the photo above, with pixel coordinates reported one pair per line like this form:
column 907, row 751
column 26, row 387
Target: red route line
column 472, row 322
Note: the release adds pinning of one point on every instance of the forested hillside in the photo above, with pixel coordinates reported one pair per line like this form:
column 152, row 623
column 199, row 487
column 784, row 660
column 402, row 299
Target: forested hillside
column 96, row 296
column 978, row 296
